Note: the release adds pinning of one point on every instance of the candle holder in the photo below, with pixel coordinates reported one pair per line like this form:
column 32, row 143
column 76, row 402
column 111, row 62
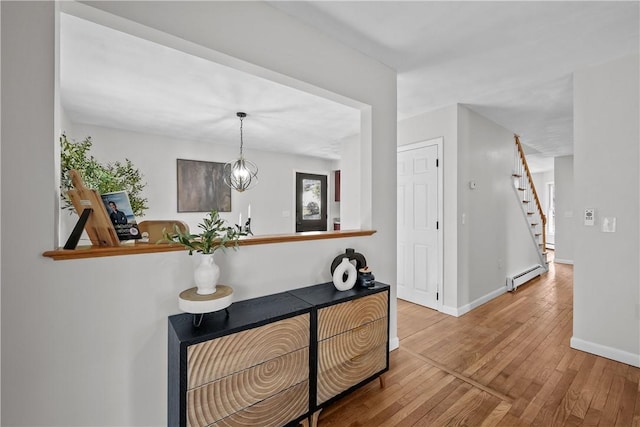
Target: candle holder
column 245, row 229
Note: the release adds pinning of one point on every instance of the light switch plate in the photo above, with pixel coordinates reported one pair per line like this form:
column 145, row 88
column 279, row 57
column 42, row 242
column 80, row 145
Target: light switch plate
column 609, row 224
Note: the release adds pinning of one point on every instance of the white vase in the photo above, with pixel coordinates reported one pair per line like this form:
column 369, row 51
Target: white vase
column 341, row 282
column 206, row 274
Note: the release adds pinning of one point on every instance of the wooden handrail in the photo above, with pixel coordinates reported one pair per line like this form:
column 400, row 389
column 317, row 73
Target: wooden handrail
column 535, row 193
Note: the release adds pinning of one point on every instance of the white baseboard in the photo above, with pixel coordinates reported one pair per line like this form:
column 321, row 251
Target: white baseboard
column 394, row 343
column 478, row 302
column 457, row 312
column 563, row 261
column 451, row 311
column 605, row 351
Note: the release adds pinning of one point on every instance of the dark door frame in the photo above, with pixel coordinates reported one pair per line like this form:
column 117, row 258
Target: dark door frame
column 311, row 225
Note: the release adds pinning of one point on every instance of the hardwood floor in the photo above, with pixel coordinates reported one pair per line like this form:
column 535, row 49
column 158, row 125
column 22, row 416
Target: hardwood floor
column 506, row 363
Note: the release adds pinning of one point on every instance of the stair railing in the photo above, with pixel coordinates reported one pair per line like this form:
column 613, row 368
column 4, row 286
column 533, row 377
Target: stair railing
column 528, row 189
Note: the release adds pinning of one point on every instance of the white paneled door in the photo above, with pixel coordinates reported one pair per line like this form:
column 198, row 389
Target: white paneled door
column 418, row 225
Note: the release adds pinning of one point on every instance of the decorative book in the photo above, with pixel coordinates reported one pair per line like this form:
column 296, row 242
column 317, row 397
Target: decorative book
column 121, row 215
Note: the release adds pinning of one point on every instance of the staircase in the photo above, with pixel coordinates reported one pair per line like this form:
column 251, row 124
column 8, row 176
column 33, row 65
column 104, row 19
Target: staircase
column 525, row 190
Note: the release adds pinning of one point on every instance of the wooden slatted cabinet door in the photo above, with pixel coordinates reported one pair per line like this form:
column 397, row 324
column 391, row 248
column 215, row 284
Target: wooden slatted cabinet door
column 352, row 344
column 255, row 377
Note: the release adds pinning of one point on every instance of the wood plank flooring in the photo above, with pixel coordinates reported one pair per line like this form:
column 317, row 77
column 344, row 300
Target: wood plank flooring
column 506, row 363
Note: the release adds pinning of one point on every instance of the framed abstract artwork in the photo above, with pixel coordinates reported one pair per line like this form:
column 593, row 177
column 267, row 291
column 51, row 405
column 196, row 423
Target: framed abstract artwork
column 201, row 187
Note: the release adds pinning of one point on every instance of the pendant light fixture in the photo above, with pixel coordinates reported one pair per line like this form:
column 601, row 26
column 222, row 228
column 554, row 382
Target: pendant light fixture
column 240, row 174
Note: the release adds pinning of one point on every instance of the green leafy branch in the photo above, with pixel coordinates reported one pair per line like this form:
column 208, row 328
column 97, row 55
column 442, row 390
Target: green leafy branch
column 105, row 178
column 215, row 235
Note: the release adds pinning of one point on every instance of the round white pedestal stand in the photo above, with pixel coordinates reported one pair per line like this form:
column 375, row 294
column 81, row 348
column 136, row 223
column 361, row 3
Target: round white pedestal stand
column 190, row 301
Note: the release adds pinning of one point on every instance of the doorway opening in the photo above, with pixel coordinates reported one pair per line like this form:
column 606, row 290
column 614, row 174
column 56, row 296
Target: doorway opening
column 551, row 215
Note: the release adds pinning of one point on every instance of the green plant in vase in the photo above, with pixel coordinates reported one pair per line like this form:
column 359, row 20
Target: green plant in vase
column 214, row 234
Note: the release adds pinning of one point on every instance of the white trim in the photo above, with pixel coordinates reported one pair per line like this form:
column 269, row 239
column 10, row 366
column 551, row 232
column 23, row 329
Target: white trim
column 606, row 351
column 439, row 141
column 483, row 299
column 421, row 144
column 451, row 311
column 563, row 261
column 457, row 312
column 394, row 343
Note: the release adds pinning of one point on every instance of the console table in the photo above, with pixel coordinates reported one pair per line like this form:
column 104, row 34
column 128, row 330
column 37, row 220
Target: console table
column 276, row 360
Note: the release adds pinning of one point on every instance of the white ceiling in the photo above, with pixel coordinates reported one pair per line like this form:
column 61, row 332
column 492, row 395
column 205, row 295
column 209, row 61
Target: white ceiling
column 510, row 61
column 112, row 79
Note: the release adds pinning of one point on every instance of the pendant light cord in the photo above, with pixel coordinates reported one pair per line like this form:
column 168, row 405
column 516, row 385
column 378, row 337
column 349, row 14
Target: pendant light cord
column 241, row 140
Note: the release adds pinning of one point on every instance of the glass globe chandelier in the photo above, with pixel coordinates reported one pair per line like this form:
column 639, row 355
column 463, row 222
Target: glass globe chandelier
column 240, row 174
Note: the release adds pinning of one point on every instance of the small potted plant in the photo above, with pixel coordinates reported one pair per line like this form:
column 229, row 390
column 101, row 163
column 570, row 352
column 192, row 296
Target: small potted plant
column 214, row 235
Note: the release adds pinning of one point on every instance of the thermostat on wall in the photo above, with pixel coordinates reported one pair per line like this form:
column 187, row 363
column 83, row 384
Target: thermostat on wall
column 589, row 216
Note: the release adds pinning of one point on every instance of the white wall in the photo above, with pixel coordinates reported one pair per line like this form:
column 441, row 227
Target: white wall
column 350, row 184
column 565, row 215
column 84, row 341
column 606, row 175
column 495, row 241
column 274, row 193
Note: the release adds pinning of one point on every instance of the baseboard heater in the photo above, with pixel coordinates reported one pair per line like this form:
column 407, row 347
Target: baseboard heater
column 514, row 281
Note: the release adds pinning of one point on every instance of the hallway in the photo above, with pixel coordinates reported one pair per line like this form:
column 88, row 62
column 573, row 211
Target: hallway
column 506, row 363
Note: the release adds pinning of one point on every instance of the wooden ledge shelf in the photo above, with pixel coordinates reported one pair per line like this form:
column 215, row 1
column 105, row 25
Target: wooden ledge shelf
column 150, row 248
